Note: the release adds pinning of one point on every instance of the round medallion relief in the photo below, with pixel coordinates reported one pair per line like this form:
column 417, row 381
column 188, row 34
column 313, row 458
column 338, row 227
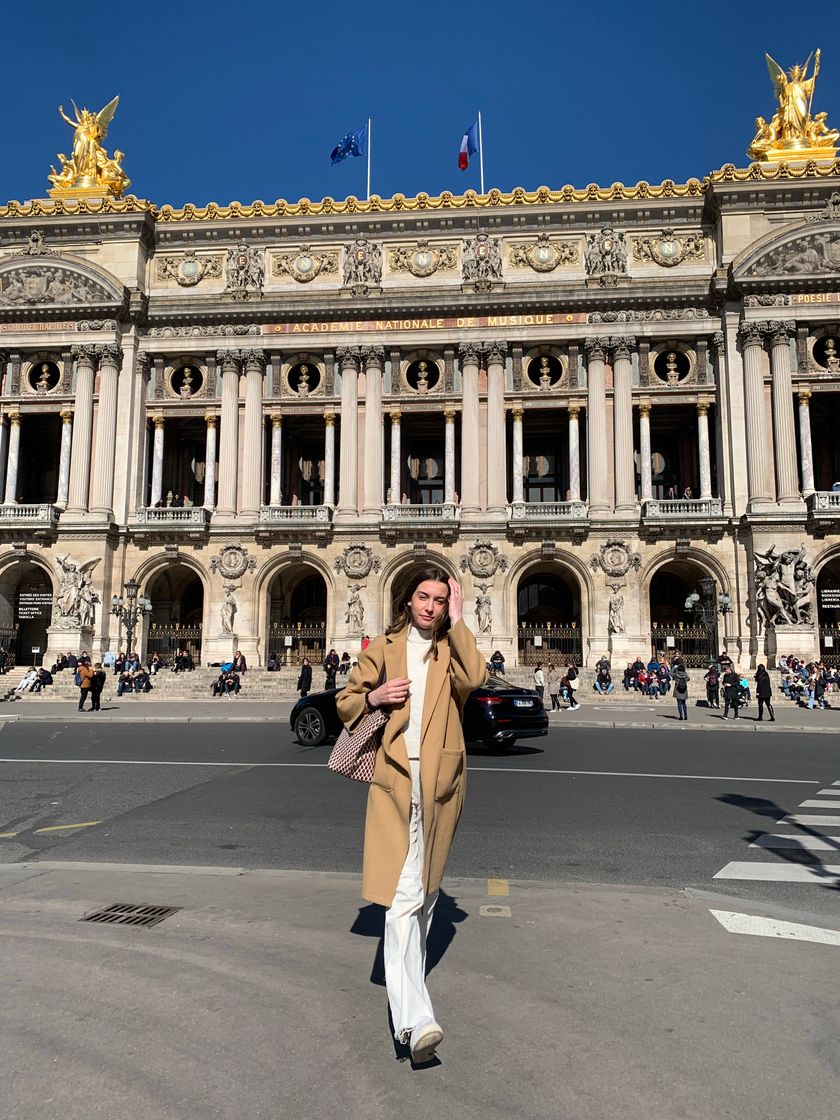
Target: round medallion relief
column 423, row 375
column 186, row 381
column 44, row 377
column 304, row 378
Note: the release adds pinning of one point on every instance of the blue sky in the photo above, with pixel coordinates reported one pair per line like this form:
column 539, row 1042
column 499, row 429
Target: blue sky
column 222, row 102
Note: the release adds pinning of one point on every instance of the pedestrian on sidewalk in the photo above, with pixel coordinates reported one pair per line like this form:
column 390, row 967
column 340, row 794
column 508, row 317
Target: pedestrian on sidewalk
column 554, row 688
column 428, row 663
column 97, row 683
column 731, row 692
column 84, row 675
column 681, row 679
column 539, row 680
column 331, row 663
column 763, row 692
column 569, row 686
column 712, row 679
column 304, row 677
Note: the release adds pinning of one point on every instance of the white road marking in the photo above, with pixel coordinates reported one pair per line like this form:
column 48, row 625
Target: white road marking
column 830, row 792
column 808, row 843
column 472, row 769
column 755, row 926
column 820, row 804
column 810, row 819
column 779, row 872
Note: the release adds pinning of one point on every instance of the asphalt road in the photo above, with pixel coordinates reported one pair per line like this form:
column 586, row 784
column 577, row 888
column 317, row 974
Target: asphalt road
column 584, row 805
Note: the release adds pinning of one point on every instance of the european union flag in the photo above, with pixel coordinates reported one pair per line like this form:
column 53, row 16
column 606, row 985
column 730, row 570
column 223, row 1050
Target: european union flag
column 353, row 144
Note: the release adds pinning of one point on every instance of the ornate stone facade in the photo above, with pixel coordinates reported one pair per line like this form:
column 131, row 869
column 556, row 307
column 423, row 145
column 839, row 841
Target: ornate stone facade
column 583, row 424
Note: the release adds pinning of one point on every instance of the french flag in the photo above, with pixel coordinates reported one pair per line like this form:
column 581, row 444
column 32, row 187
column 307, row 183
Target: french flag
column 469, row 146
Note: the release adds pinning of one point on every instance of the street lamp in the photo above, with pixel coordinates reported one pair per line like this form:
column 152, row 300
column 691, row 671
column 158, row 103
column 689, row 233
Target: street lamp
column 706, row 606
column 130, row 610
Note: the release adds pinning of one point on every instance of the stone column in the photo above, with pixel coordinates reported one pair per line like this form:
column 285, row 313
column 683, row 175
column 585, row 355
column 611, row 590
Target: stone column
column 159, row 424
column 12, row 459
column 348, row 357
column 517, row 412
column 63, row 494
column 574, row 453
column 496, row 434
column 703, row 450
column 210, row 463
column 644, row 453
column 449, row 456
column 805, row 446
column 276, row 496
column 784, row 425
column 625, row 470
column 329, row 458
column 596, row 425
column 230, row 364
column 110, row 364
column 758, row 478
column 85, row 359
column 469, row 353
column 253, row 366
column 396, row 452
column 374, row 359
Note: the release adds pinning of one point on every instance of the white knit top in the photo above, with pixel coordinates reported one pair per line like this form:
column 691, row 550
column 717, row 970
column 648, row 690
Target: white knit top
column 416, row 648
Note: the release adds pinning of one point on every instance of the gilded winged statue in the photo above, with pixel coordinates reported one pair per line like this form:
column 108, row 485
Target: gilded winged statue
column 792, row 133
column 89, row 170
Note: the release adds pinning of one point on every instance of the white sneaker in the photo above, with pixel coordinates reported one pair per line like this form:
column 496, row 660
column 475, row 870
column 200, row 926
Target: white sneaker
column 425, row 1039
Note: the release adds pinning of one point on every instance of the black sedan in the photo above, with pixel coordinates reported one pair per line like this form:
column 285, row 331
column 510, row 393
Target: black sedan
column 497, row 714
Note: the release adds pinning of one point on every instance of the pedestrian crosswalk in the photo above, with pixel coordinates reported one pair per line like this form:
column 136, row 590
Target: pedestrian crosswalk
column 804, row 847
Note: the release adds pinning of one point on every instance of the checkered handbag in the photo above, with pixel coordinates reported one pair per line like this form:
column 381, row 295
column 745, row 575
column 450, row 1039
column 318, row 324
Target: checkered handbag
column 354, row 753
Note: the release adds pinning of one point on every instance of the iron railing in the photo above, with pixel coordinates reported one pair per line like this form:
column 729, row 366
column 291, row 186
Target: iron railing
column 696, row 644
column 166, row 639
column 292, row 643
column 545, row 643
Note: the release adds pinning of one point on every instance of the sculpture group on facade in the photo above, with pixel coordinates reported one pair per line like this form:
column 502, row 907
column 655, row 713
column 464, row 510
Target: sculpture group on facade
column 244, row 269
column 792, row 129
column 76, row 599
column 47, row 284
column 481, row 258
column 89, row 168
column 606, row 255
column 783, row 585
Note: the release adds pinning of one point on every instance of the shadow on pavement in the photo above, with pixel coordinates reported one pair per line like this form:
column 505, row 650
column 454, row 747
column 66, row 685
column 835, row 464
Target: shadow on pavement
column 794, row 852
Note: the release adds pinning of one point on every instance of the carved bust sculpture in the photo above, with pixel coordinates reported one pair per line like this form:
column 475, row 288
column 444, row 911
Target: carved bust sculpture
column 303, row 381
column 422, row 378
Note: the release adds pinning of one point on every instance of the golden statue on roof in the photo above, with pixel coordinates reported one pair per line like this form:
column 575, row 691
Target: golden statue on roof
column 89, row 172
column 792, row 133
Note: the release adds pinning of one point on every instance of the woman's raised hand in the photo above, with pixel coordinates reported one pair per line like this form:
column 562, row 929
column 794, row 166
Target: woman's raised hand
column 456, row 601
column 390, row 694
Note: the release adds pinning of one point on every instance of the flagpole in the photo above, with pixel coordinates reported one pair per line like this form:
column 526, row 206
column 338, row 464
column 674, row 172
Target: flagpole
column 369, row 146
column 480, row 151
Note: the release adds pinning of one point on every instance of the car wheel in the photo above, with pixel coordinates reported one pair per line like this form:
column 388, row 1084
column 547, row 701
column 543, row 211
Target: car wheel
column 310, row 728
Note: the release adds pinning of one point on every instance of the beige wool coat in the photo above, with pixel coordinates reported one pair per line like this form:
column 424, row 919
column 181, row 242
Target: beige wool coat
column 459, row 669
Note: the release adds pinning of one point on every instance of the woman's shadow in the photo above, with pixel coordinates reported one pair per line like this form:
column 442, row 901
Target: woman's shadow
column 370, row 922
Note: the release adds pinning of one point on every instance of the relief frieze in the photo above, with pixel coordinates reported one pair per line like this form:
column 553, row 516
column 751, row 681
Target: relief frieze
column 544, row 255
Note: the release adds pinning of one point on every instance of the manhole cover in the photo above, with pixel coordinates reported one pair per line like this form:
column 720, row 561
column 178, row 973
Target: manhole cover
column 130, row 914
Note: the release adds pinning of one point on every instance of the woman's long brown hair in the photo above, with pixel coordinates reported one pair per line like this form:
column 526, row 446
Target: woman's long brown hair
column 402, row 611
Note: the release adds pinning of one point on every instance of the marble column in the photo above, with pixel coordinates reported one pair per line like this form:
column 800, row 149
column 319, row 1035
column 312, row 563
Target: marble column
column 469, row 353
column 276, row 496
column 517, row 412
column 805, row 446
column 230, row 364
column 449, row 456
column 159, row 424
column 596, row 425
column 329, row 459
column 374, row 359
column 85, row 358
column 496, row 435
column 574, row 453
column 210, row 462
column 644, row 453
column 4, row 452
column 784, row 425
column 253, row 367
column 758, row 477
column 625, row 468
column 703, row 449
column 12, row 459
column 63, row 494
column 348, row 452
column 102, row 493
column 396, row 452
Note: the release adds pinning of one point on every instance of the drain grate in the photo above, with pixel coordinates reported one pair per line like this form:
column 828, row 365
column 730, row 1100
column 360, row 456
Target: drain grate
column 130, row 914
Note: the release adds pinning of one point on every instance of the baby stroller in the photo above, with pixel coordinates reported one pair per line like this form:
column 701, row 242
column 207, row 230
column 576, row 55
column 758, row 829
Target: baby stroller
column 744, row 693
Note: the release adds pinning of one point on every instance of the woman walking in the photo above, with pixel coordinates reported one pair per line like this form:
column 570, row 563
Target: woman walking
column 681, row 679
column 554, row 688
column 304, row 677
column 420, row 672
column 763, row 692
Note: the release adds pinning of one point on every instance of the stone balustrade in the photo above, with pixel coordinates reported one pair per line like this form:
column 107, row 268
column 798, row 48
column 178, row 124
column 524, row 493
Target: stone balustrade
column 179, row 518
column 41, row 515
column 302, row 515
column 440, row 511
column 682, row 509
column 548, row 511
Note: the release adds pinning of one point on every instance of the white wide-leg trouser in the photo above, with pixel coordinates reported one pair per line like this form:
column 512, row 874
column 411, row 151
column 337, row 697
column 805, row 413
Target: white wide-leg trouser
column 407, row 922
